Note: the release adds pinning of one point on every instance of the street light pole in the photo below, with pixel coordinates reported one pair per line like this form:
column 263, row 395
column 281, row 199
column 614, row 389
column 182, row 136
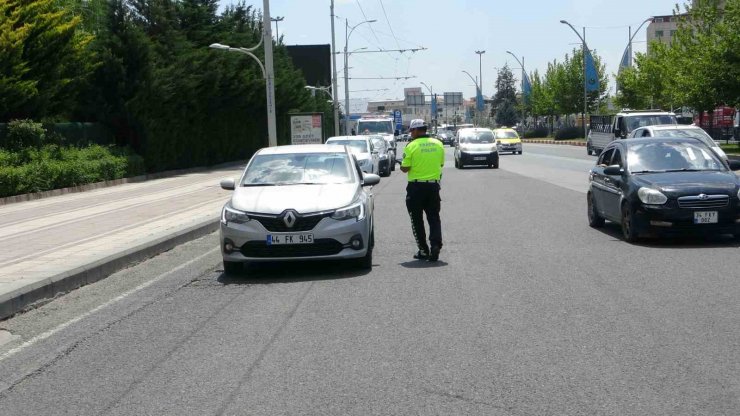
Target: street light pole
column 277, row 20
column 480, row 69
column 585, row 91
column 334, row 73
column 347, row 33
column 524, row 74
column 432, row 116
column 477, row 88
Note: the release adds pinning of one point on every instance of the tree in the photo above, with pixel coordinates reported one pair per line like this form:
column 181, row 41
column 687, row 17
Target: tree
column 507, row 114
column 505, row 89
column 43, row 59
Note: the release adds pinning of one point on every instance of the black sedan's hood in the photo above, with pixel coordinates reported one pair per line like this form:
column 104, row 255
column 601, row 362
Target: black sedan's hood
column 690, row 183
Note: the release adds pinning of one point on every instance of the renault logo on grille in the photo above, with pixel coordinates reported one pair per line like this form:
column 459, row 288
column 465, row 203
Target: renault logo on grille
column 703, row 197
column 289, row 219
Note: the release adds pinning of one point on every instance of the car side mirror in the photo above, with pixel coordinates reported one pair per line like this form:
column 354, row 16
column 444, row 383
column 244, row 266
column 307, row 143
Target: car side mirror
column 396, row 133
column 370, row 179
column 734, row 164
column 228, row 184
column 617, row 133
column 613, row 170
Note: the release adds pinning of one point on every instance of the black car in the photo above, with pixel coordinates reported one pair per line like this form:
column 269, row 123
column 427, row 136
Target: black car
column 664, row 186
column 446, row 138
column 385, row 155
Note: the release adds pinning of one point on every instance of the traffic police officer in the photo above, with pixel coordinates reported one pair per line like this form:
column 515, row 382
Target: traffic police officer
column 423, row 160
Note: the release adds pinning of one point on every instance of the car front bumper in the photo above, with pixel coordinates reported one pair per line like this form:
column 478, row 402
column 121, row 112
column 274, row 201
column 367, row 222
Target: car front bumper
column 669, row 220
column 515, row 147
column 332, row 241
column 478, row 158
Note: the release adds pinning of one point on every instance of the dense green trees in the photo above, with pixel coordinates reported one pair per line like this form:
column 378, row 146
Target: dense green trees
column 700, row 69
column 143, row 67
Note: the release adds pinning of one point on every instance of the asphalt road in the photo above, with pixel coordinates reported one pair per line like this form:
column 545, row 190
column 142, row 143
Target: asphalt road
column 530, row 312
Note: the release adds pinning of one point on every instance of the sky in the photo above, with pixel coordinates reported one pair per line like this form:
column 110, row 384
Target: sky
column 453, row 30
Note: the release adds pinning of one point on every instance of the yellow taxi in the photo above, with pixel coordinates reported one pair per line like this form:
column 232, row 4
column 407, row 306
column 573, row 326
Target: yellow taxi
column 507, row 140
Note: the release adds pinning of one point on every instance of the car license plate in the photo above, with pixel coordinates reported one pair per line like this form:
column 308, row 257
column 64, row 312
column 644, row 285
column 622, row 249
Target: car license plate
column 282, row 239
column 479, row 158
column 705, row 217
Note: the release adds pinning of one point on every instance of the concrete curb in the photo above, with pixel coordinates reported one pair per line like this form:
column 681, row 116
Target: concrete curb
column 558, row 142
column 106, row 184
column 41, row 292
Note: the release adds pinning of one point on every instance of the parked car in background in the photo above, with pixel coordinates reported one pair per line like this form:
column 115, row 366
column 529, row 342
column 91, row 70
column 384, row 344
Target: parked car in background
column 386, row 157
column 306, row 202
column 508, row 140
column 362, row 148
column 604, row 129
column 664, row 186
column 446, row 138
column 475, row 146
column 670, row 130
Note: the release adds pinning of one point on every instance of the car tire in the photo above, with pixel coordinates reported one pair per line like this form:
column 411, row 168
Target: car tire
column 366, row 262
column 495, row 164
column 457, row 164
column 589, row 151
column 233, row 267
column 629, row 227
column 594, row 219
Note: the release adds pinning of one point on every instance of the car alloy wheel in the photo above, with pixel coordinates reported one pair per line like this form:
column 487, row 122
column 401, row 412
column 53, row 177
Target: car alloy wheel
column 594, row 219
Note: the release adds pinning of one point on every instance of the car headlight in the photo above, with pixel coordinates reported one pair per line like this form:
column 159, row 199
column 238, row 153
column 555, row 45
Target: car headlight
column 229, row 214
column 738, row 193
column 384, row 157
column 650, row 196
column 354, row 211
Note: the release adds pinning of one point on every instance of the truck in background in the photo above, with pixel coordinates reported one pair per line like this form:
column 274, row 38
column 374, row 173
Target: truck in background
column 381, row 125
column 720, row 124
column 606, row 128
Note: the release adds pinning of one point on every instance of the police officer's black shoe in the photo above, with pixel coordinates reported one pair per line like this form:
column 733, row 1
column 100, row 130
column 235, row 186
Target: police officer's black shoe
column 421, row 255
column 435, row 253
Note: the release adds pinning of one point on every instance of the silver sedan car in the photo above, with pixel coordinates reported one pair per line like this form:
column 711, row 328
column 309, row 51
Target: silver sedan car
column 308, row 202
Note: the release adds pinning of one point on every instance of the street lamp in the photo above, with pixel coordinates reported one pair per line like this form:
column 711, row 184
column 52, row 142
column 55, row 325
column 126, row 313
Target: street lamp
column 348, row 33
column 524, row 74
column 585, row 92
column 480, row 69
column 324, row 89
column 432, row 107
column 277, row 21
column 477, row 88
column 628, row 50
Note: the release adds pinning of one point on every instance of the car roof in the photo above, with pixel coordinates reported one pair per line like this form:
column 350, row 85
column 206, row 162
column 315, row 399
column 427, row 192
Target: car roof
column 672, row 127
column 359, row 138
column 302, row 148
column 474, row 129
column 657, row 139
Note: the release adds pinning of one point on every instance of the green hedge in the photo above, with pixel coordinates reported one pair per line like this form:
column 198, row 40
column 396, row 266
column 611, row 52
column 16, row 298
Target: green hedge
column 569, row 133
column 537, row 133
column 54, row 167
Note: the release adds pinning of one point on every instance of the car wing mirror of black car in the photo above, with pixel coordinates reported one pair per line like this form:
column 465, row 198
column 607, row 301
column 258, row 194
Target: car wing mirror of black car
column 613, row 170
column 734, row 164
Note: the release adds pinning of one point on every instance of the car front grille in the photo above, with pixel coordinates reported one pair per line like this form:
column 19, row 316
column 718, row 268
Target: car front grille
column 703, row 201
column 276, row 223
column 320, row 247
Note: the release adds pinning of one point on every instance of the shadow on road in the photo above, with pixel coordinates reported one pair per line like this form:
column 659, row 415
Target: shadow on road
column 673, row 242
column 269, row 273
column 417, row 264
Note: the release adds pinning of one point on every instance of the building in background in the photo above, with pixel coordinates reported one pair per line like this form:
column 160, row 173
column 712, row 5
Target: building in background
column 416, row 104
column 663, row 28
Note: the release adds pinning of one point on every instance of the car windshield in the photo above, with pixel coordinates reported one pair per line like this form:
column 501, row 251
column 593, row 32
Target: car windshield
column 635, row 122
column 478, row 137
column 375, row 127
column 671, row 157
column 506, row 134
column 298, row 168
column 354, row 145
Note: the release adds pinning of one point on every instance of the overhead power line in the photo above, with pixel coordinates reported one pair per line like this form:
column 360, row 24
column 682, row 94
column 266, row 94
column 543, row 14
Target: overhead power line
column 382, row 6
column 365, row 17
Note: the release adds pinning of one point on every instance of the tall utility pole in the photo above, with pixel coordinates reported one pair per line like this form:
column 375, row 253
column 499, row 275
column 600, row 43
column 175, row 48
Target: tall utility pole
column 334, row 95
column 480, row 69
column 270, row 69
column 585, row 91
column 347, row 33
column 524, row 74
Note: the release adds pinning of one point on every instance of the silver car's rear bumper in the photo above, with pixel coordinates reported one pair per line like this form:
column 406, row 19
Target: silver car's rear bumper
column 332, row 240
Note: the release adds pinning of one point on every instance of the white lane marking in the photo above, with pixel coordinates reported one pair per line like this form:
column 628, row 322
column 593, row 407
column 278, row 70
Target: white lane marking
column 61, row 327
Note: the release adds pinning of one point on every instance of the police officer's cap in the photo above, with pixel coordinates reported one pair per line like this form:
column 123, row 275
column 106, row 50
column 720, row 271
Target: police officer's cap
column 417, row 124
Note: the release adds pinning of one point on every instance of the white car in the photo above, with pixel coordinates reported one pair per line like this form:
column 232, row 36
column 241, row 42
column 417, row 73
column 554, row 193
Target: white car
column 475, row 146
column 362, row 148
column 672, row 130
column 306, row 202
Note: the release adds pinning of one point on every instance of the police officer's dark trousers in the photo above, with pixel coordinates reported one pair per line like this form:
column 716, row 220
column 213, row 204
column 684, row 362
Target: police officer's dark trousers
column 423, row 198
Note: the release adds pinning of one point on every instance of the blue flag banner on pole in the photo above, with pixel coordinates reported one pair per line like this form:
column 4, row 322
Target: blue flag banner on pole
column 624, row 63
column 592, row 77
column 479, row 100
column 526, row 87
